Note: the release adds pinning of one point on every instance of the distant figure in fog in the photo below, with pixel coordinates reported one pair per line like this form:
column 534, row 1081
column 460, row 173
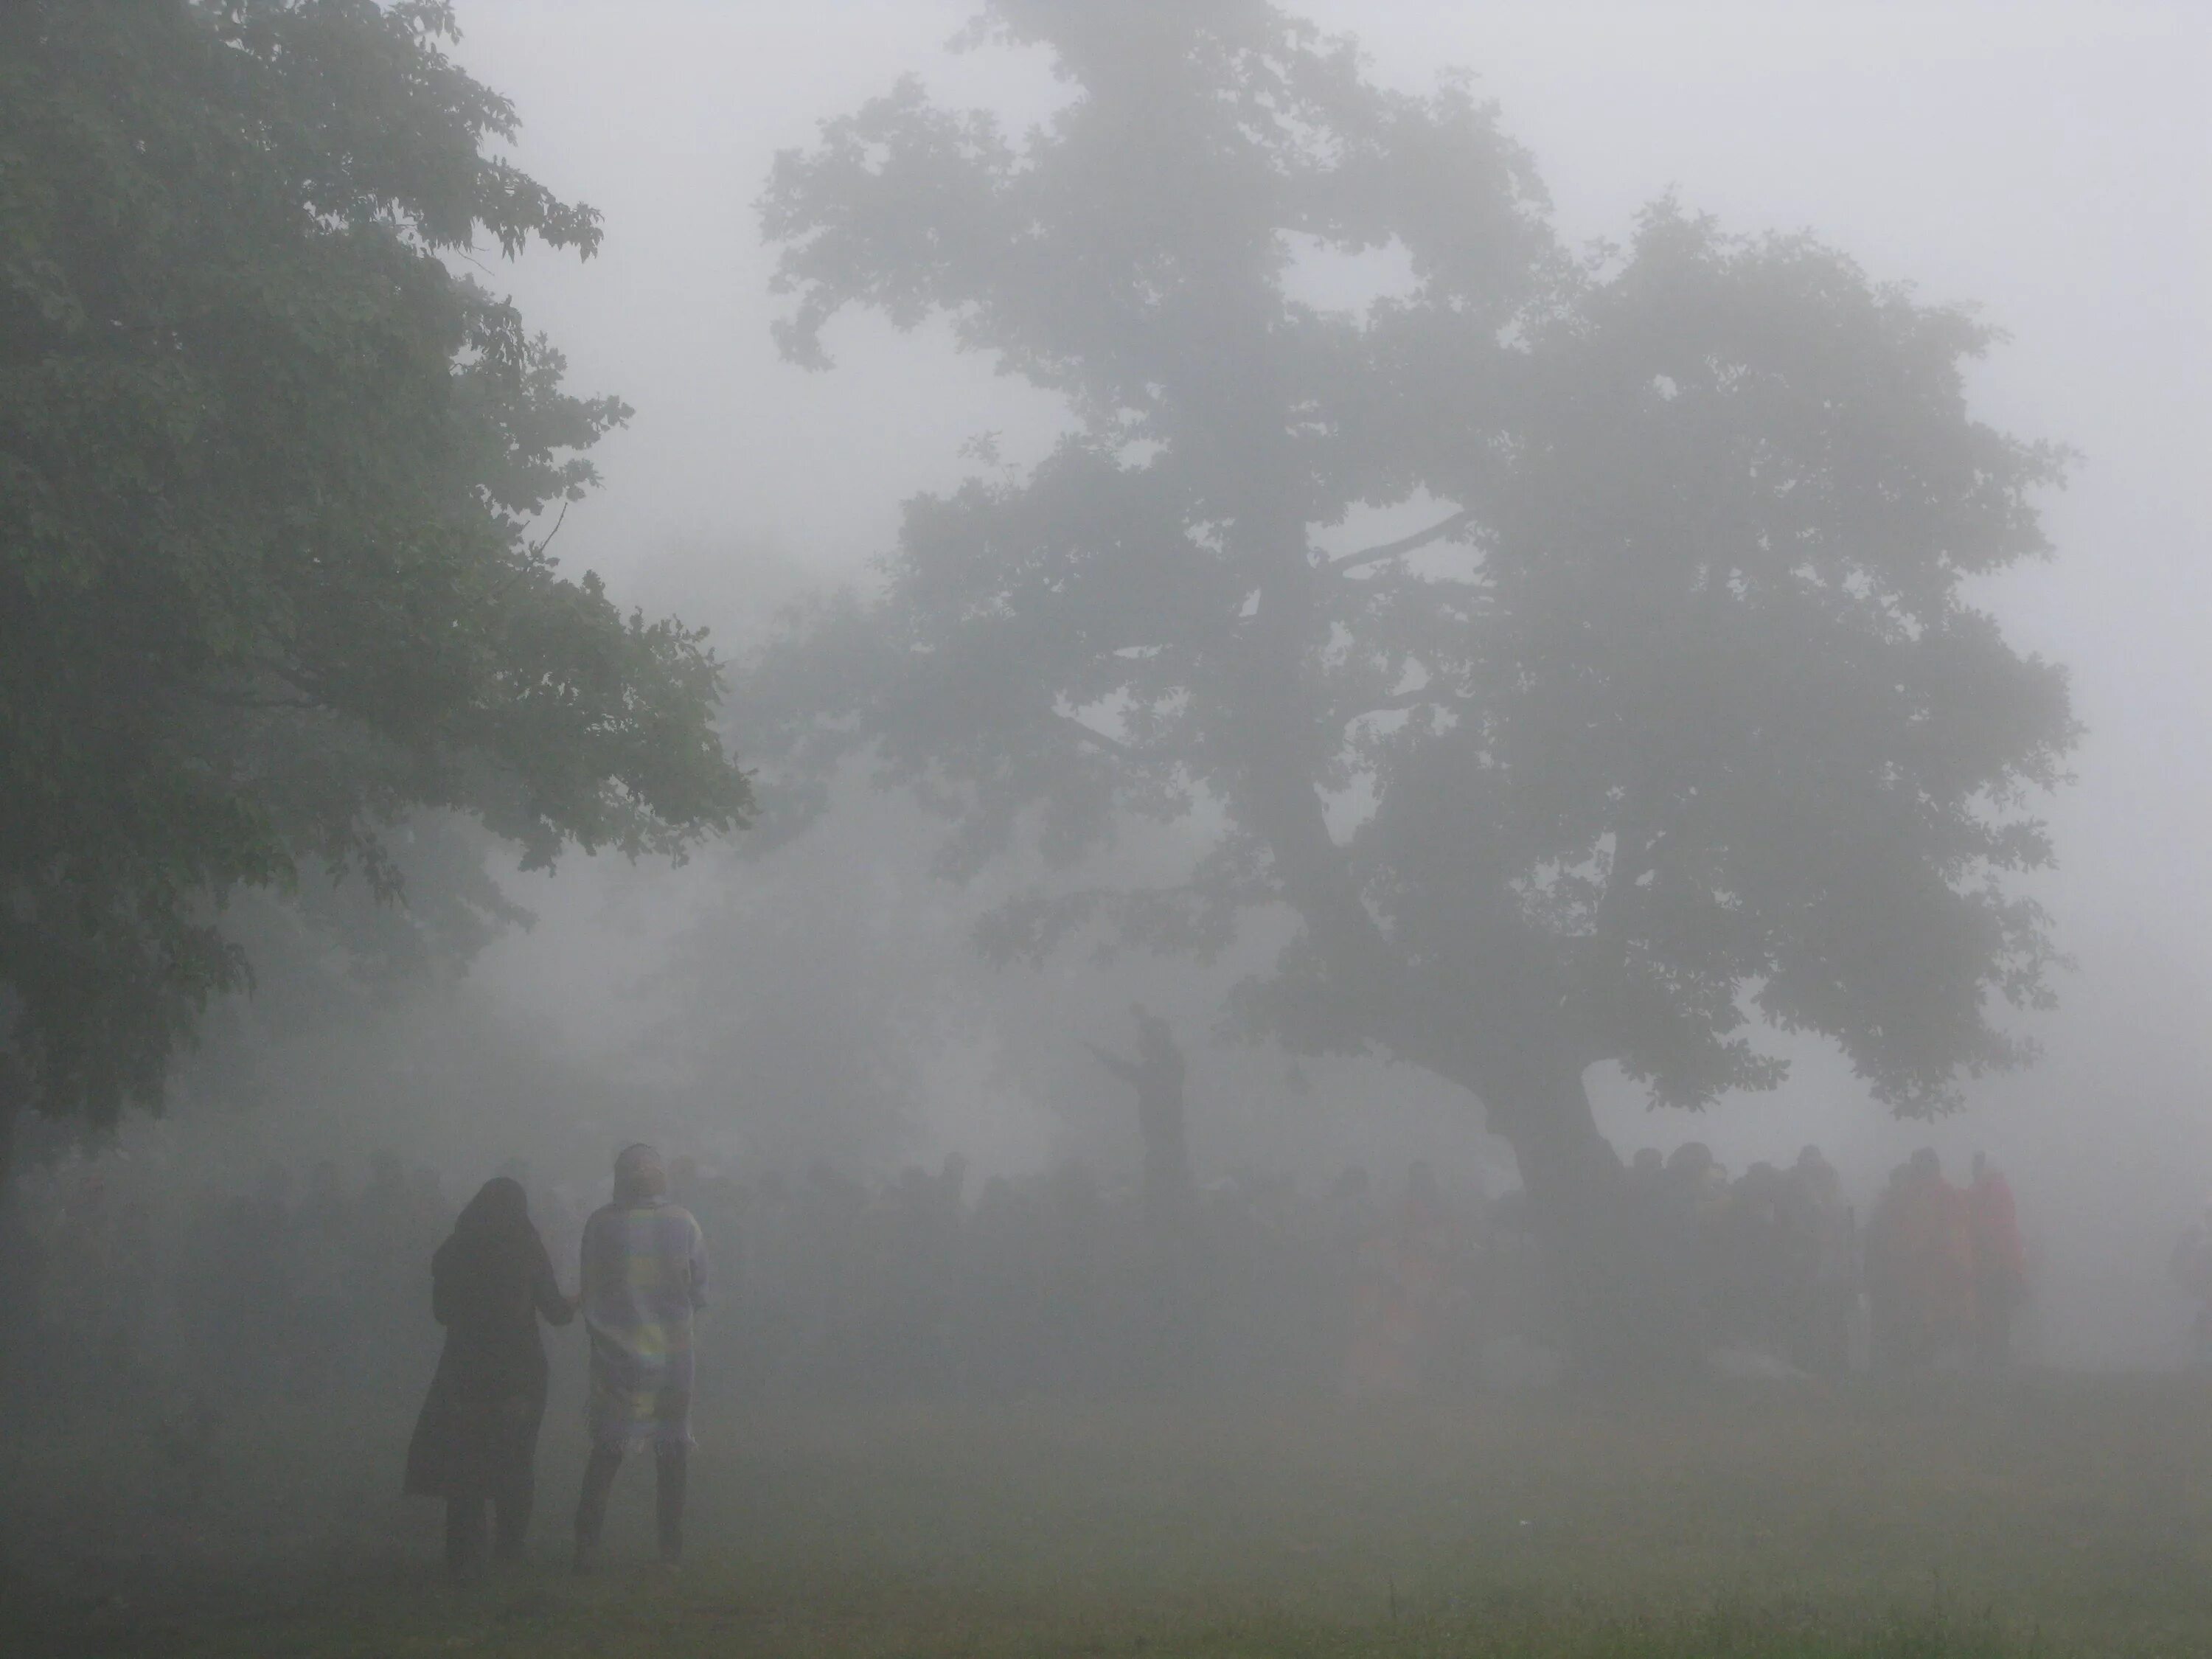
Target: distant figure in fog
column 2192, row 1270
column 1402, row 1285
column 1827, row 1230
column 1921, row 1272
column 2000, row 1264
column 1157, row 1074
column 1171, row 1333
column 323, row 1303
column 645, row 1275
column 475, row 1442
column 241, row 1285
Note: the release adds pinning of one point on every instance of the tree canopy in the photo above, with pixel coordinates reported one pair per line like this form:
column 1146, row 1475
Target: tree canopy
column 1671, row 711
column 268, row 470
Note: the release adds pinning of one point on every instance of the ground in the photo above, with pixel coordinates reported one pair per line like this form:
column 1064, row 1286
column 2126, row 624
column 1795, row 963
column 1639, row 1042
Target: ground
column 2042, row 1516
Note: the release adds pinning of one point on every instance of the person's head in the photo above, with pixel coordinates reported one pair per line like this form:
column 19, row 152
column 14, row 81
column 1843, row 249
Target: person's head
column 1690, row 1160
column 500, row 1206
column 639, row 1175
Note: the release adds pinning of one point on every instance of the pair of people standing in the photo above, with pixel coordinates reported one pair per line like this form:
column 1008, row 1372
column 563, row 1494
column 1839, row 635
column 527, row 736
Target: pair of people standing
column 644, row 1275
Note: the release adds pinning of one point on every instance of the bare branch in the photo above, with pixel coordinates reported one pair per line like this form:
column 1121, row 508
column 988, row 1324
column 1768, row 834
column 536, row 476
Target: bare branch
column 1420, row 697
column 1413, row 544
column 1112, row 745
column 538, row 552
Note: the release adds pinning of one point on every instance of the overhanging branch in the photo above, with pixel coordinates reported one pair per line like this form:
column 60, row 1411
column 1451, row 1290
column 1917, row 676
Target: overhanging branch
column 1111, row 745
column 1413, row 544
column 1420, row 698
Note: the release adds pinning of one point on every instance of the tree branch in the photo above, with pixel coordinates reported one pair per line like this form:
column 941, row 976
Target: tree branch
column 1414, row 543
column 1636, row 843
column 538, row 552
column 1112, row 745
column 1420, row 698
column 1121, row 1068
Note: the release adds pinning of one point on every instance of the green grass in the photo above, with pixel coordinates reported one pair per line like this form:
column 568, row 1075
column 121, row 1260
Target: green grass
column 2048, row 1518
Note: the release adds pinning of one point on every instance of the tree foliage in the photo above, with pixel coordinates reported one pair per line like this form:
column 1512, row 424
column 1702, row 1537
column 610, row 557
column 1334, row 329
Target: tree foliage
column 1673, row 710
column 267, row 466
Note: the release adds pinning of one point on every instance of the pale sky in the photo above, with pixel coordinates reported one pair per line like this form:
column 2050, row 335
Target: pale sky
column 2051, row 162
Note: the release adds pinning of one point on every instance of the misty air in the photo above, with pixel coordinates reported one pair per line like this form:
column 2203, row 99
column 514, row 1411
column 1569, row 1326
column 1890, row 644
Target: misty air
column 1037, row 827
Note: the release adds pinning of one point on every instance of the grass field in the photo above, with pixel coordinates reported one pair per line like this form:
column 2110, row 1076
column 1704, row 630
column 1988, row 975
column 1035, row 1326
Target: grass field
column 2046, row 1517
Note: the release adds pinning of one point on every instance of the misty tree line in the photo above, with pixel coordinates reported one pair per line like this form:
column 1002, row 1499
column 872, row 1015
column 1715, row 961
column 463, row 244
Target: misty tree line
column 1654, row 713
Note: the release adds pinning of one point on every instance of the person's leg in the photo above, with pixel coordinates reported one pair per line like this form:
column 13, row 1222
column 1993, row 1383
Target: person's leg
column 465, row 1529
column 592, row 1506
column 2000, row 1297
column 516, row 1489
column 672, row 1466
column 511, row 1507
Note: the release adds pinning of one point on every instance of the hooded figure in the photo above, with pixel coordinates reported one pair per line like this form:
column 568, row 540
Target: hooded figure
column 475, row 1442
column 645, row 1275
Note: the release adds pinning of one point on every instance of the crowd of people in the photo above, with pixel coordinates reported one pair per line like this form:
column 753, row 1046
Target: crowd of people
column 1778, row 1262
column 132, row 1284
column 931, row 1284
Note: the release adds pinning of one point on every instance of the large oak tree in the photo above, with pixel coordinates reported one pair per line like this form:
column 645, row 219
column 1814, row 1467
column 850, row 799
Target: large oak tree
column 1673, row 716
column 268, row 461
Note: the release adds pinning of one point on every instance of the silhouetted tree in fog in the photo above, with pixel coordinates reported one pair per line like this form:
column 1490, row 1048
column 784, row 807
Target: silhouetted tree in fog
column 266, row 466
column 1673, row 714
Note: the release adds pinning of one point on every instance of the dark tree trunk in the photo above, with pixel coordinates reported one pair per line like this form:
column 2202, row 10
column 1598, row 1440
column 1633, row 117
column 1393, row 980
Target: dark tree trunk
column 1513, row 1057
column 1604, row 1282
column 1573, row 1179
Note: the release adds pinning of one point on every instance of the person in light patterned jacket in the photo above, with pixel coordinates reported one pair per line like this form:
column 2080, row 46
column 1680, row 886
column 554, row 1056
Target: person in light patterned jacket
column 644, row 1279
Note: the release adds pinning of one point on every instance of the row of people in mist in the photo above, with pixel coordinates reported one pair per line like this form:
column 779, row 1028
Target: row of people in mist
column 1780, row 1261
column 1062, row 1280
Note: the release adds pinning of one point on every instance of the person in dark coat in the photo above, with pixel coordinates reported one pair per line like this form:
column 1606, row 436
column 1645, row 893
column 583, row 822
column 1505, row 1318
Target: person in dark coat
column 475, row 1442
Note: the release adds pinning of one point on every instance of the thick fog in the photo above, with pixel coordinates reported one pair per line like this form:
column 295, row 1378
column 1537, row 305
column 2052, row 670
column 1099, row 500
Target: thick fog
column 2048, row 163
